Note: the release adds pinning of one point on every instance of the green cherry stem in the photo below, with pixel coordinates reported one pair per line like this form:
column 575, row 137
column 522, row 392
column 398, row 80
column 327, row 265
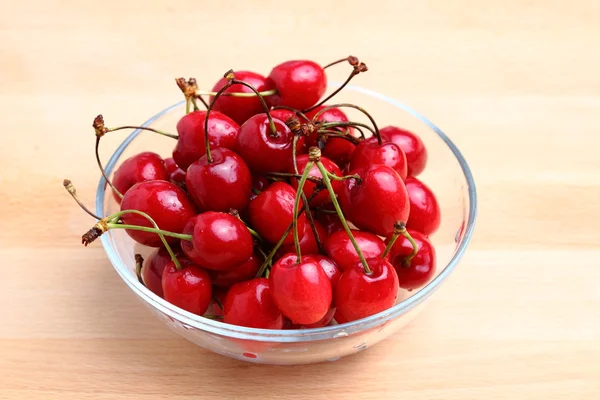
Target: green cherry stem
column 238, row 94
column 345, row 177
column 295, row 111
column 400, row 229
column 262, row 101
column 340, row 214
column 73, row 192
column 337, row 124
column 139, row 263
column 230, row 77
column 299, row 194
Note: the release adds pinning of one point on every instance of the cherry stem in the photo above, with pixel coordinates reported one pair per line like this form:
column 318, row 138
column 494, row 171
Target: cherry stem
column 139, row 263
column 351, row 59
column 144, row 128
column 103, row 171
column 362, row 110
column 214, row 298
column 270, row 256
column 332, row 133
column 73, row 192
column 263, row 102
column 294, row 147
column 229, row 76
column 255, row 234
column 295, row 111
column 313, row 179
column 238, row 94
column 354, row 124
column 299, row 193
column 256, row 191
column 341, row 216
column 201, row 99
column 406, row 262
column 324, row 211
column 357, row 69
column 188, row 102
column 156, row 230
column 345, row 177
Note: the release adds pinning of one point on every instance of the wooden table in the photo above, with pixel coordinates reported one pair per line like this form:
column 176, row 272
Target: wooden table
column 515, row 84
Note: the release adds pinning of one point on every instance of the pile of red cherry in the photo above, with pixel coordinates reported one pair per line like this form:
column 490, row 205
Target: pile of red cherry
column 285, row 214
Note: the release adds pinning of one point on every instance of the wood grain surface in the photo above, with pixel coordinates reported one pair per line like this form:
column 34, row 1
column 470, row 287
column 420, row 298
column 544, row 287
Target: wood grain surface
column 516, row 85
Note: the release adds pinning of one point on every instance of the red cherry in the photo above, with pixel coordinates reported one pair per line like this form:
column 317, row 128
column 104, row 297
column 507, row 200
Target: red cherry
column 309, row 187
column 322, row 322
column 251, row 304
column 425, row 215
column 213, row 308
column 283, row 114
column 167, row 204
column 242, row 272
column 241, row 108
column 330, row 115
column 331, row 222
column 219, row 241
column 377, row 202
column 259, row 182
column 308, row 243
column 340, row 249
column 222, row 185
column 146, row 166
column 176, row 174
column 264, row 151
column 419, row 271
column 272, row 211
column 301, row 291
column 339, row 151
column 223, row 132
column 154, row 267
column 412, row 146
column 188, row 288
column 330, row 268
column 300, row 84
column 359, row 295
column 370, row 152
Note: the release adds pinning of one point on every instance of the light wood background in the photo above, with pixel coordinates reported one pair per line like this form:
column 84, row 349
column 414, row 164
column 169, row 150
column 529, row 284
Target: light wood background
column 515, row 83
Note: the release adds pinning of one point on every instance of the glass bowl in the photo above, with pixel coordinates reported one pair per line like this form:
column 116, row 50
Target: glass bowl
column 448, row 175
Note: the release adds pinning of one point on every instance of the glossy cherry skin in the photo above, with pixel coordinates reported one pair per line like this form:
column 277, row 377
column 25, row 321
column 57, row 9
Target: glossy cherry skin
column 166, row 203
column 222, row 132
column 264, row 151
column 331, row 115
column 340, row 249
column 220, row 241
column 222, row 185
column 241, row 108
column 146, row 166
column 283, row 114
column 188, row 288
column 243, row 272
column 301, row 291
column 154, row 266
column 337, row 150
column 300, row 84
column 309, row 187
column 412, row 146
column 260, row 182
column 308, row 243
column 421, row 268
column 272, row 211
column 330, row 268
column 176, row 174
column 370, row 152
column 377, row 202
column 322, row 322
column 425, row 215
column 359, row 295
column 250, row 304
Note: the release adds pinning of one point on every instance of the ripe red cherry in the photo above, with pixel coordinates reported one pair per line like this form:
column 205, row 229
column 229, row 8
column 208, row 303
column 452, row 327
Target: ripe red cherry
column 309, row 187
column 259, row 182
column 242, row 272
column 330, row 115
column 264, row 151
column 370, row 152
column 188, row 288
column 272, row 211
column 425, row 215
column 241, row 108
column 377, row 202
column 154, row 266
column 146, row 166
column 300, row 84
column 340, row 249
column 283, row 114
column 222, row 132
column 330, row 268
column 339, row 151
column 222, row 185
column 419, row 271
column 308, row 243
column 359, row 295
column 322, row 322
column 176, row 174
column 167, row 204
column 251, row 304
column 331, row 222
column 220, row 241
column 301, row 291
column 411, row 145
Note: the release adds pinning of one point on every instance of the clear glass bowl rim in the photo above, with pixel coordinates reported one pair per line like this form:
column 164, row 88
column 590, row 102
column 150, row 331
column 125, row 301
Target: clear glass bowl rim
column 293, row 335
